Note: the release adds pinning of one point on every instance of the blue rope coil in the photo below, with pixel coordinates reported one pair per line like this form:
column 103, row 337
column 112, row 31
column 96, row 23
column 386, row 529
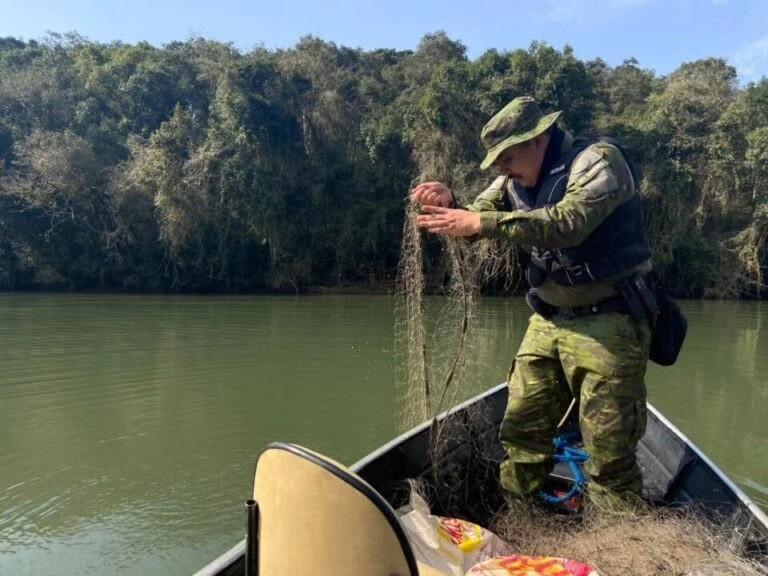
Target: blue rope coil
column 565, row 451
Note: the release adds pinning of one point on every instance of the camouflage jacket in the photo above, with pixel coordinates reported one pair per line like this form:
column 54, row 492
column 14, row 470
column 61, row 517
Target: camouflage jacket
column 599, row 181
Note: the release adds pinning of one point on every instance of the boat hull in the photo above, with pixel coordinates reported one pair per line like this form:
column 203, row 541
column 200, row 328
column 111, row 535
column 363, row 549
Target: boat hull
column 464, row 482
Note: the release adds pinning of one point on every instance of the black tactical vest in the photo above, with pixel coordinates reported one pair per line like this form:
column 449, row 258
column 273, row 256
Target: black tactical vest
column 616, row 246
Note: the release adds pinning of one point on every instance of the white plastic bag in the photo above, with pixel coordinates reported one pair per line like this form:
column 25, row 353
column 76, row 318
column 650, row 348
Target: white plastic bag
column 449, row 545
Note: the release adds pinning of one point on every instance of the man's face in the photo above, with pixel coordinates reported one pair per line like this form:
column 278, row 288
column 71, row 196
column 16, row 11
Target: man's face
column 522, row 162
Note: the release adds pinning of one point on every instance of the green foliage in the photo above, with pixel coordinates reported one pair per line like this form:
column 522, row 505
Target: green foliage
column 195, row 167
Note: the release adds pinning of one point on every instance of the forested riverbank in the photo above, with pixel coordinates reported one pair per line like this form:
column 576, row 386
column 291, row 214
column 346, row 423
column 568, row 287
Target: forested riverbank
column 197, row 167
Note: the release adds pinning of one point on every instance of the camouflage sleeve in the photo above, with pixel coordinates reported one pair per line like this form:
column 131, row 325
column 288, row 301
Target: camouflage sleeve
column 599, row 181
column 491, row 199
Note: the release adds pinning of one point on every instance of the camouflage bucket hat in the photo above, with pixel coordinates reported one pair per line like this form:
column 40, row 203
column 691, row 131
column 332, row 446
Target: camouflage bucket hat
column 518, row 121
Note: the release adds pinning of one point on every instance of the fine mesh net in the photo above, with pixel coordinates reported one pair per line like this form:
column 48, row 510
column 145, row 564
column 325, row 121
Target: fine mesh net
column 652, row 542
column 433, row 337
column 434, row 341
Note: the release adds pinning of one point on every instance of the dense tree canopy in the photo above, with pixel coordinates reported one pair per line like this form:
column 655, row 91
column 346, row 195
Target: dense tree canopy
column 195, row 167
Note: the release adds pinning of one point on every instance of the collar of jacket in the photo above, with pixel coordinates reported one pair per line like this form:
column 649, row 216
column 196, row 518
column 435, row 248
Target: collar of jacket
column 559, row 143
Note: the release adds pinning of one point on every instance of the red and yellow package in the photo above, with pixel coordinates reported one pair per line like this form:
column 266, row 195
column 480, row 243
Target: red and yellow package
column 465, row 535
column 518, row 565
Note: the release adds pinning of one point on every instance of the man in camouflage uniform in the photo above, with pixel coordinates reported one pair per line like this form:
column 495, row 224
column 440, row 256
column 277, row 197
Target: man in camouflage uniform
column 573, row 207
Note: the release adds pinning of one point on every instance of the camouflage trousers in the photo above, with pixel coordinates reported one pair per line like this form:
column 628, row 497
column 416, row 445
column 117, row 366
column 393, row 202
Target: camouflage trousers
column 600, row 360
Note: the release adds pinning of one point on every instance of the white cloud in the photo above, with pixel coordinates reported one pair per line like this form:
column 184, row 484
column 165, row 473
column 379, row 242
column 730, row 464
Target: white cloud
column 751, row 60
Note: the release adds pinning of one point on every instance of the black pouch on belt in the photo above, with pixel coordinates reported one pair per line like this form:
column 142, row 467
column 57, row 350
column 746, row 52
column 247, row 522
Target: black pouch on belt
column 670, row 330
column 634, row 302
column 648, row 300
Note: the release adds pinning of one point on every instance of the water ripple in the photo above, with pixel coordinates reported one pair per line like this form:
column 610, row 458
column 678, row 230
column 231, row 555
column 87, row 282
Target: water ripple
column 131, row 425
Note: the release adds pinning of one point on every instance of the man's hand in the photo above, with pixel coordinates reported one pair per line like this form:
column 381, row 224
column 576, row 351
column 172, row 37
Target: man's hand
column 447, row 221
column 432, row 194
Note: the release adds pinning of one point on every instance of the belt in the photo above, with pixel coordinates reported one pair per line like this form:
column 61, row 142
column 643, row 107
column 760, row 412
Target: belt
column 615, row 304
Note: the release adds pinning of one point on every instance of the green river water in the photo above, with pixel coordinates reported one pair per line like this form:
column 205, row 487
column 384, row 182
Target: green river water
column 130, row 425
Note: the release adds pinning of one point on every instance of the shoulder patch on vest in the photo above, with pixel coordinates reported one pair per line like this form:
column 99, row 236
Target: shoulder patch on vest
column 586, row 177
column 586, row 159
column 587, row 165
column 597, row 157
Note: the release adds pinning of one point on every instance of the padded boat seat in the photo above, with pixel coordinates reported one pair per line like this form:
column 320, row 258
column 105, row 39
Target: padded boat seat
column 317, row 518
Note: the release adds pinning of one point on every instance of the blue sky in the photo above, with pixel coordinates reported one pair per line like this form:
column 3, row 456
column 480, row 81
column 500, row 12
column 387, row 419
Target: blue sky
column 661, row 34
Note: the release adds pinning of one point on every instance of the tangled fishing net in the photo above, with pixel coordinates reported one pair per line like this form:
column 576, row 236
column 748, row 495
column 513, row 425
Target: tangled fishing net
column 653, row 542
column 433, row 336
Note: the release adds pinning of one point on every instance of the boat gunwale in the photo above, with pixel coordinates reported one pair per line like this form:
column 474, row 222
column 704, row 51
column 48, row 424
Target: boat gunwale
column 756, row 511
column 416, row 430
column 228, row 558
